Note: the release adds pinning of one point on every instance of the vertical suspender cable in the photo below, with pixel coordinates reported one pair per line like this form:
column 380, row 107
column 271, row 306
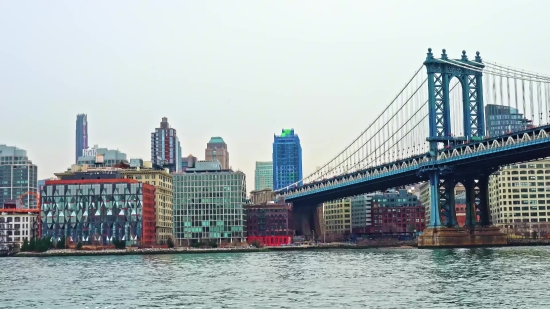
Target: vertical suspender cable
column 532, row 104
column 539, row 101
column 523, row 97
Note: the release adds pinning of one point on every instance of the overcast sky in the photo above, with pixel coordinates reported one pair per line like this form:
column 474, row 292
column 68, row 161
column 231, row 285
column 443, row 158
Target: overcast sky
column 242, row 70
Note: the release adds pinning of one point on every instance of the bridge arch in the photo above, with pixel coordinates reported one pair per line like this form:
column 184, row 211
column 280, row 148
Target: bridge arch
column 469, row 74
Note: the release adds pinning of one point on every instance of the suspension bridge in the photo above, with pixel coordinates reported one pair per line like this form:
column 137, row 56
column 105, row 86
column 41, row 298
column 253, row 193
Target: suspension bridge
column 455, row 121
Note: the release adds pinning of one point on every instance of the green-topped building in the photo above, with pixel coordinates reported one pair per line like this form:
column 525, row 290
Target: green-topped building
column 287, row 159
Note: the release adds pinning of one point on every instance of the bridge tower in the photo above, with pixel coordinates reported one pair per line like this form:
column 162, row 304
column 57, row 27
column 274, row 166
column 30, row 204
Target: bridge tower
column 443, row 179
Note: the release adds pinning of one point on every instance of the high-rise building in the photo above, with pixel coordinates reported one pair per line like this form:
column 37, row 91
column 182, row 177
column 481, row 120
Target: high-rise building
column 166, row 148
column 81, row 135
column 502, row 119
column 216, row 149
column 287, row 159
column 17, row 176
column 263, row 175
column 208, row 204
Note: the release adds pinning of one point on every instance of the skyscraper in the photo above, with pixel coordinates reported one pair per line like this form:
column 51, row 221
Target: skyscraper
column 81, row 135
column 17, row 176
column 263, row 175
column 287, row 159
column 216, row 149
column 166, row 148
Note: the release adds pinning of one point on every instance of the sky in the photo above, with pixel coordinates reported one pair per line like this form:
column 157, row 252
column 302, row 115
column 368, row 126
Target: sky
column 241, row 69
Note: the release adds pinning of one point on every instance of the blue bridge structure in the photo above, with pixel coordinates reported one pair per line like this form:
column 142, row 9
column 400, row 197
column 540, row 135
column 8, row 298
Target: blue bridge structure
column 455, row 121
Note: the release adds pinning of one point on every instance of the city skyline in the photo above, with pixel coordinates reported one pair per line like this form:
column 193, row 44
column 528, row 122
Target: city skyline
column 126, row 70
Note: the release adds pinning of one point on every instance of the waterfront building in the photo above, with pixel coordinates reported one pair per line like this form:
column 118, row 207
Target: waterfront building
column 267, row 221
column 397, row 211
column 519, row 196
column 81, row 135
column 361, row 220
column 208, row 204
column 504, row 119
column 166, row 148
column 263, row 175
column 98, row 211
column 164, row 194
column 101, row 157
column 161, row 180
column 287, row 159
column 18, row 175
column 337, row 216
column 17, row 224
column 216, row 149
column 188, row 162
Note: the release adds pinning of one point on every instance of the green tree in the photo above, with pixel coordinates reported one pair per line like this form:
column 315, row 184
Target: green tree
column 25, row 246
column 32, row 244
column 61, row 243
column 119, row 244
column 79, row 246
column 170, row 242
column 213, row 244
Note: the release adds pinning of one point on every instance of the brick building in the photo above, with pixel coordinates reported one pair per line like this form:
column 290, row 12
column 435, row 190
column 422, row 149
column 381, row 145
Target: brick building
column 269, row 222
column 397, row 212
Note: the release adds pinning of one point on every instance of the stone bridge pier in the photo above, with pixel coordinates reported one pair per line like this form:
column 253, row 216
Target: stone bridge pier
column 307, row 219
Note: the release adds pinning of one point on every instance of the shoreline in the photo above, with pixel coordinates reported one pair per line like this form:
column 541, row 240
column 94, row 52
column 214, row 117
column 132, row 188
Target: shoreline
column 400, row 245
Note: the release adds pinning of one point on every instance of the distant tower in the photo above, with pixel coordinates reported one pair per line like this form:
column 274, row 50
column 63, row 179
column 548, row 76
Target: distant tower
column 81, row 135
column 166, row 148
column 287, row 159
column 216, row 149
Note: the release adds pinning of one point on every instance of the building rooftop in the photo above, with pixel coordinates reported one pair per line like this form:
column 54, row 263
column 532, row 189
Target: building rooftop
column 216, row 140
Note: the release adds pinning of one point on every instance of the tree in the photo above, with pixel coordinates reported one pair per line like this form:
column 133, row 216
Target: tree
column 79, row 246
column 256, row 243
column 170, row 242
column 61, row 243
column 25, row 246
column 119, row 244
column 213, row 244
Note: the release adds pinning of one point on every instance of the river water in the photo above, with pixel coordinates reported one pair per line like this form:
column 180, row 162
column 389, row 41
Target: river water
column 374, row 278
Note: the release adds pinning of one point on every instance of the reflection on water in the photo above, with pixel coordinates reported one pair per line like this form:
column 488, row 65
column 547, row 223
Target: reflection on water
column 383, row 278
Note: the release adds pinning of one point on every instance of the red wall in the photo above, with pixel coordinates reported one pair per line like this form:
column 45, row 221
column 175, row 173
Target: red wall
column 148, row 215
column 273, row 241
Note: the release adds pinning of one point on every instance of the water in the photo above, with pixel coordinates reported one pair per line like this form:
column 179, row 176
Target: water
column 382, row 278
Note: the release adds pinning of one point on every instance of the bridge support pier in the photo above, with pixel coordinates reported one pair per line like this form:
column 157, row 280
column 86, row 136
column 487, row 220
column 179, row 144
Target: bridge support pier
column 478, row 231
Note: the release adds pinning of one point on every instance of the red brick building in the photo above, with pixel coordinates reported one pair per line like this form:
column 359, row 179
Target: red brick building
column 270, row 223
column 397, row 212
column 392, row 220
